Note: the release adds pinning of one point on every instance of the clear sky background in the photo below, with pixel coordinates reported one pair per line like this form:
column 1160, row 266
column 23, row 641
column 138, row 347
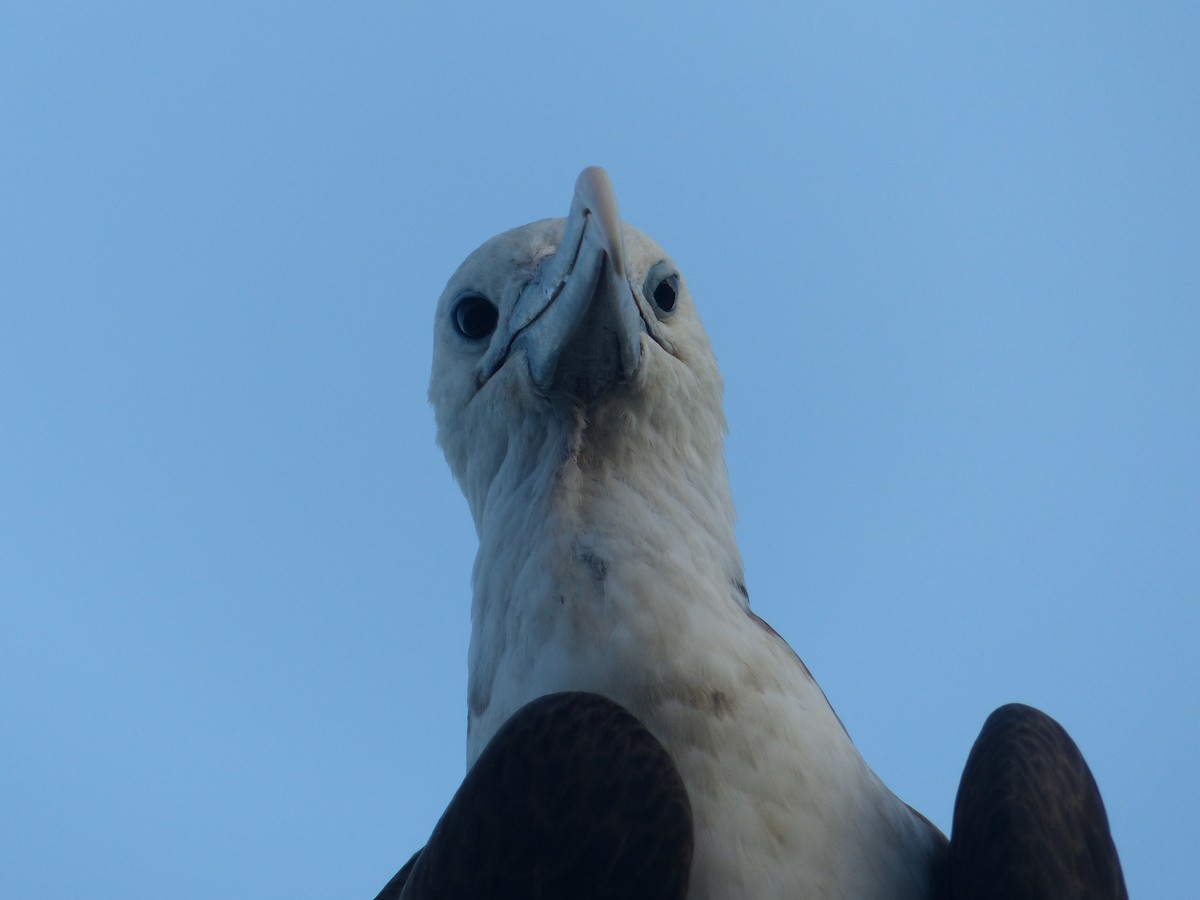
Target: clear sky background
column 949, row 257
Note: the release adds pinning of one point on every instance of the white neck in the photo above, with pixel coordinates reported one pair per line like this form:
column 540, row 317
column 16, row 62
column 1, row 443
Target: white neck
column 581, row 557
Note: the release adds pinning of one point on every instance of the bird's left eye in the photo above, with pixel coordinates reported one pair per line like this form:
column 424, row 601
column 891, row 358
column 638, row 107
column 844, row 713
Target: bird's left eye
column 475, row 316
column 662, row 289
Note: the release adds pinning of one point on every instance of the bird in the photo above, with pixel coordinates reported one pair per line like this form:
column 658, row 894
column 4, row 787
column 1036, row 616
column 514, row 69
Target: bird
column 635, row 729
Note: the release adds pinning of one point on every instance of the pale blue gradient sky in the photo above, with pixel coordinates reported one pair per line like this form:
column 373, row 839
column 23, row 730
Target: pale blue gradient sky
column 950, row 262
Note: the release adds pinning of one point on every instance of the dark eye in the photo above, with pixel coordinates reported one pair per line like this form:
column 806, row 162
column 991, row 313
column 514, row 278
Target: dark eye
column 662, row 288
column 475, row 316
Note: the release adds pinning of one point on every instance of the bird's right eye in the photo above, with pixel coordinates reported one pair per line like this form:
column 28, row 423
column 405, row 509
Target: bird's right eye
column 475, row 316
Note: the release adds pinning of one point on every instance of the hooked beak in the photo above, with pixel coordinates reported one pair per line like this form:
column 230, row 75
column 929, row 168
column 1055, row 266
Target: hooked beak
column 580, row 299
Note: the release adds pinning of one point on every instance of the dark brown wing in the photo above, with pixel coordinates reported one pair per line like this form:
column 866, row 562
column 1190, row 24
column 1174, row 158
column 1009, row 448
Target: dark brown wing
column 391, row 890
column 573, row 799
column 1029, row 823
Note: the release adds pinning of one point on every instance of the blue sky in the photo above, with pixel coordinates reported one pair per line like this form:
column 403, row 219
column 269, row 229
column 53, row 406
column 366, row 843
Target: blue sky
column 949, row 261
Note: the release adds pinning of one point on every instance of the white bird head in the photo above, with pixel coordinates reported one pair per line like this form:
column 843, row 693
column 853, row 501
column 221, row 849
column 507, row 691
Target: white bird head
column 580, row 333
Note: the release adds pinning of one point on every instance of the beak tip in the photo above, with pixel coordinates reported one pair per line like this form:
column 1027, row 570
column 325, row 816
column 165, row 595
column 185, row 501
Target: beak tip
column 595, row 197
column 591, row 179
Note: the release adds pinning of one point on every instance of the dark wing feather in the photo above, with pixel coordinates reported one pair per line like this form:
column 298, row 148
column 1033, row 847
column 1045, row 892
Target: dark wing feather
column 1029, row 823
column 573, row 799
column 391, row 890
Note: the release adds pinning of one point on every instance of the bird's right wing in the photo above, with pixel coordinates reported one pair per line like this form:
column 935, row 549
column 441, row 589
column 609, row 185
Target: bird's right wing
column 572, row 798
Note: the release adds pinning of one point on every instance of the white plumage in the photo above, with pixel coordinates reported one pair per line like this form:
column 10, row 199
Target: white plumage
column 583, row 421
